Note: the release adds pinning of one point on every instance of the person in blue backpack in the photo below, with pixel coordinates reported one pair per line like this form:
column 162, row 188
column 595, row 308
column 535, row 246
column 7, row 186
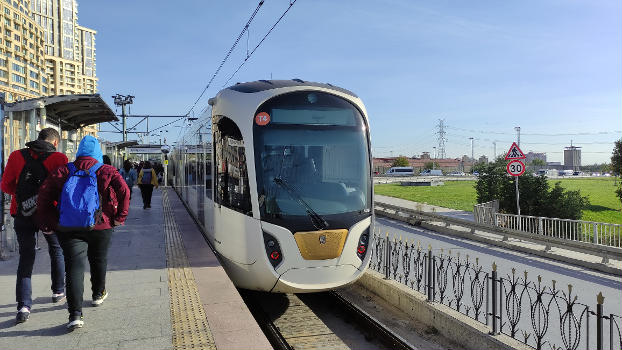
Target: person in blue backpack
column 92, row 199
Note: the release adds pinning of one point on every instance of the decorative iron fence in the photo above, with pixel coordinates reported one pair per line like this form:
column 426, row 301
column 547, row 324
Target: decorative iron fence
column 541, row 316
column 575, row 230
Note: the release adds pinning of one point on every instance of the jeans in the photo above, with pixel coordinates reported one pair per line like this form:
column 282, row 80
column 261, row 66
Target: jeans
column 26, row 234
column 146, row 191
column 78, row 247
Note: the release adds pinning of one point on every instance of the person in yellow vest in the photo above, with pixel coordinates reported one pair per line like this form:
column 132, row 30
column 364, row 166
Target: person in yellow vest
column 147, row 179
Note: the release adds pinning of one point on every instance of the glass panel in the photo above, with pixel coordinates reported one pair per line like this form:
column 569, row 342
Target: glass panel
column 312, row 154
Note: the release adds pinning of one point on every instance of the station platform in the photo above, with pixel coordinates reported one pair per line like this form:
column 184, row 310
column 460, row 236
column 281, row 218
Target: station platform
column 166, row 289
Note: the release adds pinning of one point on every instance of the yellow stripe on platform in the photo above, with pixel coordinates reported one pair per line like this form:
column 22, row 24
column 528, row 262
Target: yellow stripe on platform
column 188, row 319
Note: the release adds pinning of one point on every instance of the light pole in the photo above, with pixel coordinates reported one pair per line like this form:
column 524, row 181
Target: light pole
column 517, row 128
column 122, row 100
column 433, row 159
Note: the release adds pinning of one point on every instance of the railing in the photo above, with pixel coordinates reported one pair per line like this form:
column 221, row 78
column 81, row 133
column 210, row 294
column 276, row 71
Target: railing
column 574, row 230
column 541, row 316
column 484, row 213
column 8, row 240
column 417, row 216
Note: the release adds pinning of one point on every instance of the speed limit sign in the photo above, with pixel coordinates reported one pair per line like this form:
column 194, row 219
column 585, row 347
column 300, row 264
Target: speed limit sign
column 516, row 168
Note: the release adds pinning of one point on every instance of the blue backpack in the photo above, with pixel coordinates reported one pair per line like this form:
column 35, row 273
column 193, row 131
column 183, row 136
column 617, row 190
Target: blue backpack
column 79, row 204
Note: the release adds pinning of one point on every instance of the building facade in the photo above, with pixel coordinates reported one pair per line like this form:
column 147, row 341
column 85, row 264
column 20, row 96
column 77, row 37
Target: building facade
column 44, row 52
column 572, row 158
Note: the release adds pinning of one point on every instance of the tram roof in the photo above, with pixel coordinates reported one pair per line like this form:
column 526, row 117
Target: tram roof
column 262, row 85
column 71, row 111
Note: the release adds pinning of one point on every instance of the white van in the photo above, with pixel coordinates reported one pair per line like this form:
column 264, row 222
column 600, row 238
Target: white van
column 400, row 171
column 430, row 172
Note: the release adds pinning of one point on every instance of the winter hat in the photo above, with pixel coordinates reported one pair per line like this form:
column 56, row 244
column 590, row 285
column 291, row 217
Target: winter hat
column 89, row 147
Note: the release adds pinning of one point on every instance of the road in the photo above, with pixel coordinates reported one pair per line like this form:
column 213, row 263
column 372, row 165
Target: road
column 586, row 283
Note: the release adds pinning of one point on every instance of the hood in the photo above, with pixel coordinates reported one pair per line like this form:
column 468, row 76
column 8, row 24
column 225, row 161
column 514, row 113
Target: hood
column 41, row 146
column 89, row 147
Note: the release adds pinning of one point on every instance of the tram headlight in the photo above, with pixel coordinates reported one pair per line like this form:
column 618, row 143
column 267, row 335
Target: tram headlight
column 361, row 247
column 273, row 249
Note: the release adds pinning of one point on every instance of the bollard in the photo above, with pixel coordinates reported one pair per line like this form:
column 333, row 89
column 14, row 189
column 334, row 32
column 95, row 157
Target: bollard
column 600, row 299
column 430, row 273
column 494, row 299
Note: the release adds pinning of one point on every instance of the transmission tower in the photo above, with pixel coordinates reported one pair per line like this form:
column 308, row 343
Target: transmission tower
column 441, row 138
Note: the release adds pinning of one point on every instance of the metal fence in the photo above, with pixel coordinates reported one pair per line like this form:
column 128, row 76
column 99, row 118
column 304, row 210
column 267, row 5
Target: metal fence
column 575, row 230
column 541, row 316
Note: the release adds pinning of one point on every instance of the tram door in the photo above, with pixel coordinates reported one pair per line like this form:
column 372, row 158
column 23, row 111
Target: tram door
column 232, row 203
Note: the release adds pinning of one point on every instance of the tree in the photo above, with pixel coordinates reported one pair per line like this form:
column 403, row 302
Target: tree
column 400, row 161
column 616, row 158
column 430, row 165
column 538, row 163
column 536, row 197
column 616, row 165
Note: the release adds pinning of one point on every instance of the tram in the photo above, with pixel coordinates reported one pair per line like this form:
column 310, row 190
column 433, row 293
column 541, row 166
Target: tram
column 278, row 174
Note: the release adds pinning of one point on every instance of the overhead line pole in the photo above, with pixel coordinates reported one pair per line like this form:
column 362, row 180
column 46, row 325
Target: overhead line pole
column 516, row 182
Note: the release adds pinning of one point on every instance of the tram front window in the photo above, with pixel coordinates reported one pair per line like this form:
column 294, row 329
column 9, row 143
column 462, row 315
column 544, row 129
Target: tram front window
column 312, row 163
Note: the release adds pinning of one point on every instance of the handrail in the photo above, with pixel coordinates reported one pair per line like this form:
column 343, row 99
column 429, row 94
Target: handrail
column 603, row 251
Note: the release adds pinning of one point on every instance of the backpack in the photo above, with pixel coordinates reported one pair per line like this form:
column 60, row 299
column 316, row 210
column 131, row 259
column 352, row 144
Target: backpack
column 30, row 179
column 146, row 179
column 80, row 203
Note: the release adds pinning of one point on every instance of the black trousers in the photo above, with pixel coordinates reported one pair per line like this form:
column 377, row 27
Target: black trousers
column 146, row 191
column 78, row 247
column 26, row 233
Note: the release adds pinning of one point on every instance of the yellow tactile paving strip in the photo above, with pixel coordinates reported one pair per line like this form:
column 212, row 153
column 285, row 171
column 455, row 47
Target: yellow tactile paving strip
column 188, row 319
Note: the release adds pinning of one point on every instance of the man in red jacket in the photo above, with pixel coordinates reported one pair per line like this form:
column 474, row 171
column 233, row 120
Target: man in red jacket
column 17, row 183
column 115, row 202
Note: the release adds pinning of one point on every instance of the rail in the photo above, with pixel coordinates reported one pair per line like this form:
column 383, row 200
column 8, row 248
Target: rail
column 574, row 230
column 416, row 216
column 539, row 315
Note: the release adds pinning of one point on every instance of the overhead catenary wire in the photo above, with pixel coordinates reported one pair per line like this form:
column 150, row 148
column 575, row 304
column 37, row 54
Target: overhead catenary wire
column 237, row 40
column 248, row 55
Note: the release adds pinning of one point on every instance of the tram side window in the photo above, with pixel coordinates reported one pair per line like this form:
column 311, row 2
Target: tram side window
column 231, row 180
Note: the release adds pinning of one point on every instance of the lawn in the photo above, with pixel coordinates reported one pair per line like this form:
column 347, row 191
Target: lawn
column 604, row 205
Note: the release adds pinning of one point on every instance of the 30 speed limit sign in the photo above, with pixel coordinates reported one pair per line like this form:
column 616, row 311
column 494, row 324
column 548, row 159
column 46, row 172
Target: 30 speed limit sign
column 516, row 168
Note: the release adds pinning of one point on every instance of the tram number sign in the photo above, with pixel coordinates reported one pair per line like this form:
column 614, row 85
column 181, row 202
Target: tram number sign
column 516, row 168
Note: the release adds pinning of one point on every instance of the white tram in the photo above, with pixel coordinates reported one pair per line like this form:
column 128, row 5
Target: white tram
column 279, row 175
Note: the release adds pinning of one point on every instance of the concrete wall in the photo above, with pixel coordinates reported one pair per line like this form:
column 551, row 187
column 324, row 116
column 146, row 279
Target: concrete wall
column 450, row 323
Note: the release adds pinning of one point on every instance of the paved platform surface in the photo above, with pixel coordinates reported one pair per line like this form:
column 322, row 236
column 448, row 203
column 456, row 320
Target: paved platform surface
column 137, row 313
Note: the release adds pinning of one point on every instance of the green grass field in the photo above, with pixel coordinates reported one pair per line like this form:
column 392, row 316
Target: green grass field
column 604, row 205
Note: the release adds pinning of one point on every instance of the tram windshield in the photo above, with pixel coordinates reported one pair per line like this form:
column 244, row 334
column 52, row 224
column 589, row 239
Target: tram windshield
column 312, row 161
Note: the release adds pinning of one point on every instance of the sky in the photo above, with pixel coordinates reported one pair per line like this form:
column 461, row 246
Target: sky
column 551, row 67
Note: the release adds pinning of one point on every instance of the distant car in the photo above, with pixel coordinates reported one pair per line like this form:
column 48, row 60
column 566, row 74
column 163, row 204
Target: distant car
column 431, row 172
column 475, row 173
column 400, row 171
column 457, row 173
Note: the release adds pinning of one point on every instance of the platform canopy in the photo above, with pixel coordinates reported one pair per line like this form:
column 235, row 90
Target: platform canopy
column 71, row 111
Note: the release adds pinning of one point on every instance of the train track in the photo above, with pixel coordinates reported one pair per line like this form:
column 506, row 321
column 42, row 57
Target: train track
column 318, row 321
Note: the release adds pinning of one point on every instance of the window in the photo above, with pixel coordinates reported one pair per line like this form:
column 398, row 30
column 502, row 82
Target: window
column 18, row 78
column 3, row 73
column 7, row 22
column 19, row 68
column 231, row 180
column 34, row 84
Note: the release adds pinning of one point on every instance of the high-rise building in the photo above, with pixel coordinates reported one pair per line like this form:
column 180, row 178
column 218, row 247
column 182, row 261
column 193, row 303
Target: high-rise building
column 572, row 158
column 22, row 60
column 43, row 50
column 69, row 47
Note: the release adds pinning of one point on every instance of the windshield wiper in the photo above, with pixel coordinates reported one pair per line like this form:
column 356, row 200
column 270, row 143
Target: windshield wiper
column 316, row 219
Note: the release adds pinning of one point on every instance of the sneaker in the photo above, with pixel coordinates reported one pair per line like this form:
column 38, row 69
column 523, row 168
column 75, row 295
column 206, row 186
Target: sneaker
column 58, row 297
column 22, row 315
column 98, row 300
column 76, row 321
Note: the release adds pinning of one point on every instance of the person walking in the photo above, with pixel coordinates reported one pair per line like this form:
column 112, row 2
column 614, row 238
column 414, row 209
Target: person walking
column 129, row 175
column 79, row 187
column 25, row 171
column 147, row 179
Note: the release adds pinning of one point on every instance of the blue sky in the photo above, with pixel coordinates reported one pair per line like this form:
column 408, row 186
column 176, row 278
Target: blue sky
column 552, row 67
